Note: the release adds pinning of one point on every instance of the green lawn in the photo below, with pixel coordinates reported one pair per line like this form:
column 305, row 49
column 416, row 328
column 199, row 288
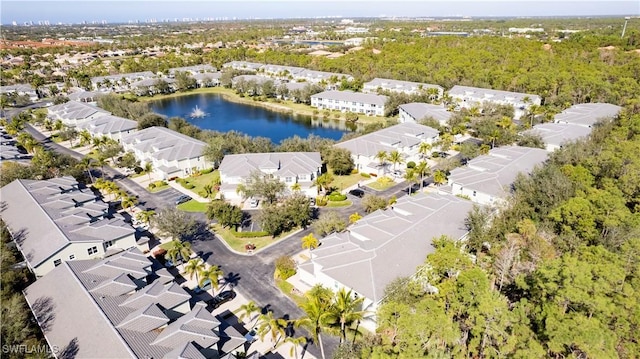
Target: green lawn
column 158, row 188
column 379, row 185
column 344, row 182
column 200, row 181
column 193, row 206
column 238, row 244
column 345, row 203
column 287, row 289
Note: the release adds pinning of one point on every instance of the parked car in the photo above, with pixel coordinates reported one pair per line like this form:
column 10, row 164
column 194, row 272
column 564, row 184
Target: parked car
column 397, row 173
column 253, row 203
column 312, row 201
column 221, row 298
column 357, row 192
column 182, row 199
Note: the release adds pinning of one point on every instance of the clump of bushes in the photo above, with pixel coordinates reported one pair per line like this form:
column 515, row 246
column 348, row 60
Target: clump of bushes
column 206, row 171
column 185, row 183
column 365, row 175
column 155, row 184
column 411, row 164
column 249, row 234
column 337, row 197
column 384, row 180
column 285, row 267
column 321, row 201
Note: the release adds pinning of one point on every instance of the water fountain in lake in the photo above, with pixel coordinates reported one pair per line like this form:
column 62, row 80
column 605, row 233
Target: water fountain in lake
column 197, row 113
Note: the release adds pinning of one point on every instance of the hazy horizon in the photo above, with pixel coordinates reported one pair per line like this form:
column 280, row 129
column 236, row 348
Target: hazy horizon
column 128, row 11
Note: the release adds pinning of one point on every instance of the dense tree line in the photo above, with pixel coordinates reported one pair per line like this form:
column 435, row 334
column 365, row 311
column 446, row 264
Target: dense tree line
column 18, row 327
column 556, row 273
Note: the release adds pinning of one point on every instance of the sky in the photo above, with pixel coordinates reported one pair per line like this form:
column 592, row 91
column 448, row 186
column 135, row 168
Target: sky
column 124, row 11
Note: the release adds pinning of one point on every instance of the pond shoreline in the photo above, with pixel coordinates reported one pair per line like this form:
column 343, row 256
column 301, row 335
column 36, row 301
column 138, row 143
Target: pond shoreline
column 287, row 107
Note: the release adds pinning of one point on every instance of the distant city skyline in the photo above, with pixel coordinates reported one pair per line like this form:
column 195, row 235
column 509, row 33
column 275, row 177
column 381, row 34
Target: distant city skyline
column 127, row 11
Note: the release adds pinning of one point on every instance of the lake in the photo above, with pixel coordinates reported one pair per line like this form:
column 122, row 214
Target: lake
column 222, row 115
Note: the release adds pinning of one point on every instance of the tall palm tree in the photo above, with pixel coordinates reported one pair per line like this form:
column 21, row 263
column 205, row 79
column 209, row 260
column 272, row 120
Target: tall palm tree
column 272, row 325
column 85, row 137
column 439, row 177
column 248, row 309
column 422, row 169
column 395, row 157
column 145, row 216
column 129, row 201
column 178, row 249
column 86, row 164
column 424, row 149
column 194, row 266
column 212, row 274
column 345, row 311
column 323, row 181
column 296, row 187
column 316, row 319
column 410, row 176
column 382, row 157
column 309, row 242
column 295, row 342
column 148, row 168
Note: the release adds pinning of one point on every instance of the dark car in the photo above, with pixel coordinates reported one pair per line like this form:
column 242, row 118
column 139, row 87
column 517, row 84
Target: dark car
column 357, row 192
column 221, row 298
column 183, row 199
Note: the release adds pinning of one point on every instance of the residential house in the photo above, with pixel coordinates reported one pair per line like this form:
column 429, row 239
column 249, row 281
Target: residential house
column 289, row 167
column 411, row 88
column 112, row 308
column 487, row 179
column 417, row 111
column 404, row 138
column 349, row 101
column 72, row 113
column 281, row 72
column 385, row 245
column 56, row 220
column 109, row 126
column 556, row 135
column 243, row 65
column 150, row 87
column 86, row 96
column 330, row 80
column 193, row 70
column 208, row 79
column 468, row 97
column 20, row 90
column 120, row 82
column 171, row 154
column 587, row 114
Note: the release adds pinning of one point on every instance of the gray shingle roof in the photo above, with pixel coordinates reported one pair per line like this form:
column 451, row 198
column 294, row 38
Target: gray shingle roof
column 285, row 163
column 74, row 110
column 495, row 172
column 491, row 95
column 558, row 134
column 104, row 328
column 391, row 243
column 109, row 124
column 165, row 144
column 351, row 96
column 16, row 88
column 398, row 85
column 132, row 76
column 388, row 139
column 419, row 111
column 50, row 214
column 587, row 114
column 169, row 296
column 186, row 351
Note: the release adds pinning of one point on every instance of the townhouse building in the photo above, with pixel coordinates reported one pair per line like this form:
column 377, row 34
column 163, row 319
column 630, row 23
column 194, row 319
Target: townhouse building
column 349, row 101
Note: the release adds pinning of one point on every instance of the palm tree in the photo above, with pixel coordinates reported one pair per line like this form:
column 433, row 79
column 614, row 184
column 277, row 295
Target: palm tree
column 295, row 342
column 178, row 249
column 410, row 176
column 395, row 157
column 355, row 217
column 422, row 169
column 439, row 177
column 129, row 201
column 345, row 311
column 382, row 157
column 99, row 142
column 212, row 274
column 316, row 318
column 296, row 187
column 272, row 325
column 194, row 266
column 424, row 149
column 145, row 216
column 86, row 164
column 248, row 309
column 148, row 168
column 85, row 137
column 323, row 181
column 309, row 242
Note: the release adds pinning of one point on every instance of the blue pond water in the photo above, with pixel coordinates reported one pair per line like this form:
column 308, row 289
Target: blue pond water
column 222, row 115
